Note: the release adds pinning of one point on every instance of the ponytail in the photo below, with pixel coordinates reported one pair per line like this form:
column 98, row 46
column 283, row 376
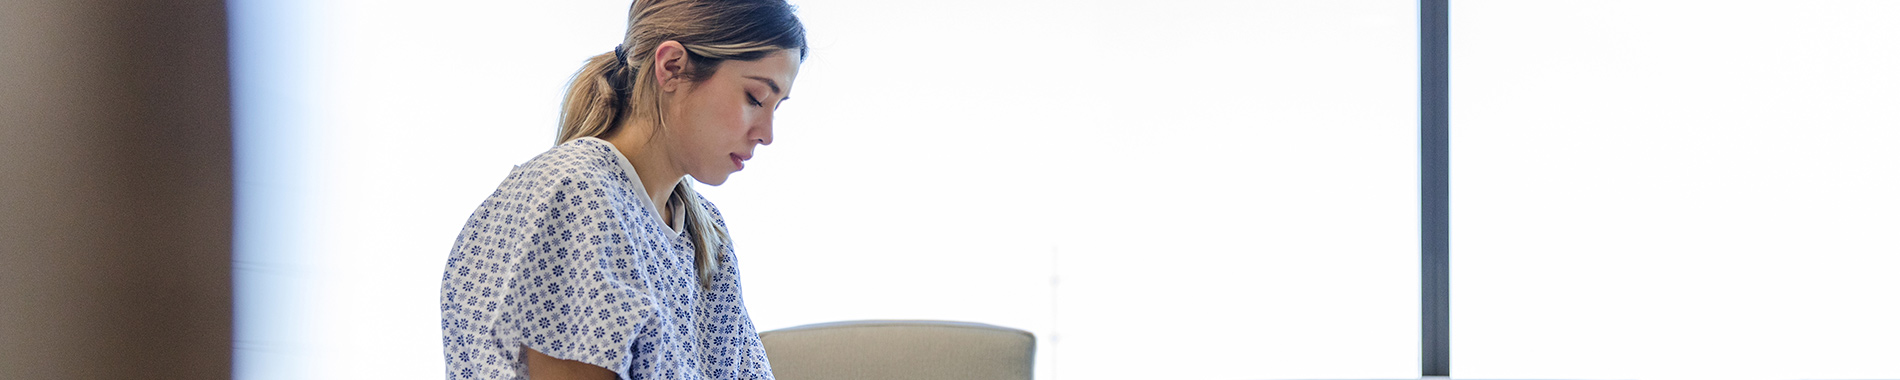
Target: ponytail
column 602, row 94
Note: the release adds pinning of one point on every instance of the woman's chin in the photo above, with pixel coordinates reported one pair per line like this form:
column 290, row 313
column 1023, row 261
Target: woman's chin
column 713, row 180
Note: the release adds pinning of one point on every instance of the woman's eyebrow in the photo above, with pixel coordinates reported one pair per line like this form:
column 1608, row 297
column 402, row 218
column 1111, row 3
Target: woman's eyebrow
column 768, row 82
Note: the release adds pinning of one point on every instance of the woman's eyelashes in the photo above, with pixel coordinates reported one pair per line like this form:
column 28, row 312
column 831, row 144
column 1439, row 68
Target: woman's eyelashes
column 754, row 101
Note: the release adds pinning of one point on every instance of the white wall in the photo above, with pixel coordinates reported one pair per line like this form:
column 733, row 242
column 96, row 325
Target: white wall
column 1210, row 189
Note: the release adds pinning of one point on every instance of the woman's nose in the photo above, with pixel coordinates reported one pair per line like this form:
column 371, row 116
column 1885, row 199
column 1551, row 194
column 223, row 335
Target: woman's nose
column 765, row 133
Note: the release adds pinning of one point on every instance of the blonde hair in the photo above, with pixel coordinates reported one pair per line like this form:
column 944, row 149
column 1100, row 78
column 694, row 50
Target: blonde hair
column 618, row 87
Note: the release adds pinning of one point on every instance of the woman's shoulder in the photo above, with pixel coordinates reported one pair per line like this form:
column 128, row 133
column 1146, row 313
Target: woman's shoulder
column 581, row 164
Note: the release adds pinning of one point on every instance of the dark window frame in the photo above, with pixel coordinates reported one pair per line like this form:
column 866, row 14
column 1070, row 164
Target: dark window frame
column 1434, row 188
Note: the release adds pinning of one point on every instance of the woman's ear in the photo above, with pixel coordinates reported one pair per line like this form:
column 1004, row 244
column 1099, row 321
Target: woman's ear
column 669, row 62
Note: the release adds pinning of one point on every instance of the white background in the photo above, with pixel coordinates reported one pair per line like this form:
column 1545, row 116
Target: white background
column 1206, row 189
column 1675, row 189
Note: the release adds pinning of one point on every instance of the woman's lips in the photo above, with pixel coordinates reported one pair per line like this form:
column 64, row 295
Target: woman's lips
column 737, row 162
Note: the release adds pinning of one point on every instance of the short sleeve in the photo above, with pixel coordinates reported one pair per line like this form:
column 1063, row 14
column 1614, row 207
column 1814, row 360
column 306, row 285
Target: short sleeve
column 571, row 301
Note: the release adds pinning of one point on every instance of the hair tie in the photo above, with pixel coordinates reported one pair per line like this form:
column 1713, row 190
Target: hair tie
column 620, row 53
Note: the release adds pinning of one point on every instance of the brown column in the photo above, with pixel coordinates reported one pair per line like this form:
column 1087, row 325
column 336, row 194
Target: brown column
column 115, row 190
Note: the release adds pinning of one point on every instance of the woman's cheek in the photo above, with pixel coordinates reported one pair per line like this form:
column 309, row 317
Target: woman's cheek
column 743, row 121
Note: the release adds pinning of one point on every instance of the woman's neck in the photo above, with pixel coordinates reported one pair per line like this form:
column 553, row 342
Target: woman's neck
column 657, row 172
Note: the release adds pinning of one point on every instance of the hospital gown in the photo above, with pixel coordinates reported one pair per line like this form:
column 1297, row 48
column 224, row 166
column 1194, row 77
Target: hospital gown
column 568, row 257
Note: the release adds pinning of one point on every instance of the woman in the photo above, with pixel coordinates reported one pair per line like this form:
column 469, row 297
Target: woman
column 596, row 260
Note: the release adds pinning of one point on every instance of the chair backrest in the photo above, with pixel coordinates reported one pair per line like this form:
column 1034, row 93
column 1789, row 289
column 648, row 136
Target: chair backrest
column 900, row 350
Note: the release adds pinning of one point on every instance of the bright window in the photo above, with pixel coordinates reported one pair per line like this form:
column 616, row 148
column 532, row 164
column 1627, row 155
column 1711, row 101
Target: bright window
column 1675, row 189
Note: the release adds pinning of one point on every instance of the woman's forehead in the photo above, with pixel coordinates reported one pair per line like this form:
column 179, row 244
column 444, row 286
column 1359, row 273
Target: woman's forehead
column 779, row 66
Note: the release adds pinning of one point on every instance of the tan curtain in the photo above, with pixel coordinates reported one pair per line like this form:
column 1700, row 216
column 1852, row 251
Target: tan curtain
column 115, row 190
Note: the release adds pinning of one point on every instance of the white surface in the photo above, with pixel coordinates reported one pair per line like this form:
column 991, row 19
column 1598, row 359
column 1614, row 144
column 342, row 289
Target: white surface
column 1213, row 189
column 1675, row 189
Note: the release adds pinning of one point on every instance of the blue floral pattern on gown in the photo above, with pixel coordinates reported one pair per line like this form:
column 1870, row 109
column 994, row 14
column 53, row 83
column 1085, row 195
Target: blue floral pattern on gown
column 569, row 257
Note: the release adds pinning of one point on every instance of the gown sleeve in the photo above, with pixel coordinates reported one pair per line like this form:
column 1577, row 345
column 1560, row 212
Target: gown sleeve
column 566, row 297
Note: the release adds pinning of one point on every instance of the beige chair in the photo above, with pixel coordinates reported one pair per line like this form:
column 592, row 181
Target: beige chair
column 900, row 350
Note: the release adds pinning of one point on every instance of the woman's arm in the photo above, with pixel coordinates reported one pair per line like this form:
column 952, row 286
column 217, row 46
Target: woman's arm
column 544, row 367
